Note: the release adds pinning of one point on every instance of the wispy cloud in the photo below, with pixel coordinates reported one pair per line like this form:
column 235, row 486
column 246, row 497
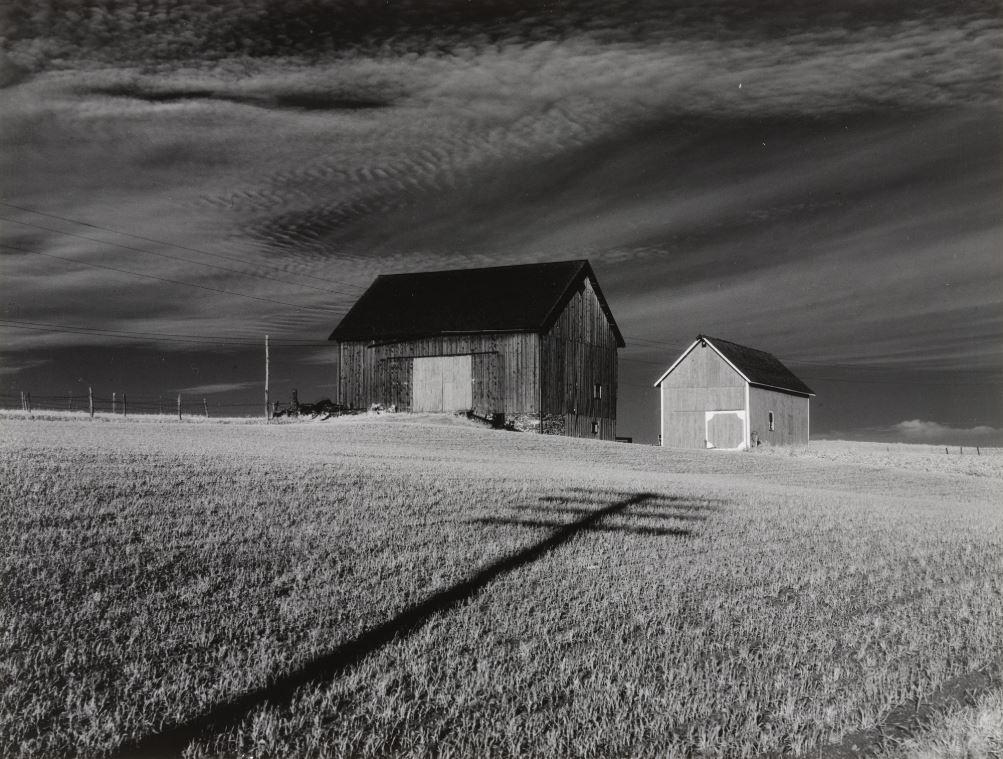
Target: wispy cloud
column 918, row 430
column 215, row 388
column 8, row 367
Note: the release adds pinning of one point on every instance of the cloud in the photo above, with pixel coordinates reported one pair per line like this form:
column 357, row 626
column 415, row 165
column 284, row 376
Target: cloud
column 305, row 101
column 920, row 431
column 215, row 388
column 11, row 368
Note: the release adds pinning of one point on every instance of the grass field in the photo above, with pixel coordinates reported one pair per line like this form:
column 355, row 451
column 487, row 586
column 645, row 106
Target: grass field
column 408, row 586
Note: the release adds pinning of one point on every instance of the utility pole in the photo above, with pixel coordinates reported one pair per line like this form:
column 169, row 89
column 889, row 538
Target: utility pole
column 205, row 407
column 267, row 409
column 113, row 403
column 90, row 400
column 125, row 405
column 179, row 407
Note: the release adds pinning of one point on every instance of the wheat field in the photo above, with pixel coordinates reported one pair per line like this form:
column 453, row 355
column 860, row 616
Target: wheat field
column 412, row 586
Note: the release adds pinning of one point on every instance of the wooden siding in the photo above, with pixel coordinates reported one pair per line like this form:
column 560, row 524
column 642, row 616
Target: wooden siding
column 703, row 381
column 504, row 368
column 790, row 416
column 684, row 429
column 705, row 398
column 703, row 369
column 577, row 353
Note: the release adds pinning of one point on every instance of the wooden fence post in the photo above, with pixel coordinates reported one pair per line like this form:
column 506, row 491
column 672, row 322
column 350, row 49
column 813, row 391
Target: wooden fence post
column 945, row 449
column 125, row 405
column 978, row 451
column 69, row 402
column 113, row 403
column 28, row 399
column 90, row 400
column 179, row 407
column 205, row 407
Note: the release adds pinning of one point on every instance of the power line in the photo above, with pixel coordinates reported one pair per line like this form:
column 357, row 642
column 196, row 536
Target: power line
column 174, row 281
column 644, row 361
column 172, row 245
column 177, row 258
column 635, row 339
column 807, row 363
column 151, row 336
column 113, row 332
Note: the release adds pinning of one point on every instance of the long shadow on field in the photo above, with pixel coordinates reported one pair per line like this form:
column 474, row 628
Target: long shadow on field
column 683, row 509
column 171, row 741
column 677, row 532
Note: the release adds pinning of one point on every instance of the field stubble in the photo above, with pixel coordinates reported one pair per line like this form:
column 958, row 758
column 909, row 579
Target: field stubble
column 727, row 605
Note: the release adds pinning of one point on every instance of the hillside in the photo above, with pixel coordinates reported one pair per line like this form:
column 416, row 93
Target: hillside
column 407, row 586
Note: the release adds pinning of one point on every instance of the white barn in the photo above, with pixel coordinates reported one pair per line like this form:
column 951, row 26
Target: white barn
column 719, row 394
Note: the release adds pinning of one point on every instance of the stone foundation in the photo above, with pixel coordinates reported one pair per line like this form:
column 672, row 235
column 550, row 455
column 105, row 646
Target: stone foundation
column 523, row 422
column 552, row 424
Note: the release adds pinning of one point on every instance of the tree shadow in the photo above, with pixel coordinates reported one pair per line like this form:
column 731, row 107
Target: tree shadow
column 172, row 740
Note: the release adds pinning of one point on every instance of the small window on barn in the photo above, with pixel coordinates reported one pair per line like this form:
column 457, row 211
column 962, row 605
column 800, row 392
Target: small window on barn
column 771, row 422
column 597, row 391
column 595, row 427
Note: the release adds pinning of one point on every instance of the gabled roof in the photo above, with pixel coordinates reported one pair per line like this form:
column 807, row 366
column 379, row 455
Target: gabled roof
column 755, row 366
column 522, row 298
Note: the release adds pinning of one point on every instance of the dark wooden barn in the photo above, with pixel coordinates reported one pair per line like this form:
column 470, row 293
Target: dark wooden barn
column 534, row 344
column 720, row 394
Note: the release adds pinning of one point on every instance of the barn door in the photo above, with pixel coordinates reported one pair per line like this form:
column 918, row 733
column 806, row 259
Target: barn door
column 725, row 429
column 441, row 383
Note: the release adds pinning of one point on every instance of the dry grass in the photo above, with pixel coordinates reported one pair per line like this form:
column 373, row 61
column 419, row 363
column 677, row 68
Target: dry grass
column 974, row 732
column 739, row 604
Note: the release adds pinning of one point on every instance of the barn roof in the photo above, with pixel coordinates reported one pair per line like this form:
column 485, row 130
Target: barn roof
column 756, row 367
column 522, row 298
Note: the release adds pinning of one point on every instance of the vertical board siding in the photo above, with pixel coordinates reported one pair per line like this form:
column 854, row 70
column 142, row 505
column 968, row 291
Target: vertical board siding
column 578, row 352
column 504, row 371
column 685, row 429
column 790, row 416
column 486, row 396
column 703, row 381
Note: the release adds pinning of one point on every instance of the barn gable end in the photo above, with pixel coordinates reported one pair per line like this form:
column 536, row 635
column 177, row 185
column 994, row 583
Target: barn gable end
column 578, row 356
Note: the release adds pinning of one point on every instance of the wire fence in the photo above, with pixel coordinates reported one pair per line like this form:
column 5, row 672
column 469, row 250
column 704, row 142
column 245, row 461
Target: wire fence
column 126, row 405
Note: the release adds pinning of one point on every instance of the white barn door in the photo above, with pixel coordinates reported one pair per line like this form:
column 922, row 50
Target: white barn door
column 725, row 429
column 442, row 383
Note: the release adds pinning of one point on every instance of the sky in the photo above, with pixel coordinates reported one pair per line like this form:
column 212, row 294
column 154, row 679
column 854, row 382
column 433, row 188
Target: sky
column 821, row 180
